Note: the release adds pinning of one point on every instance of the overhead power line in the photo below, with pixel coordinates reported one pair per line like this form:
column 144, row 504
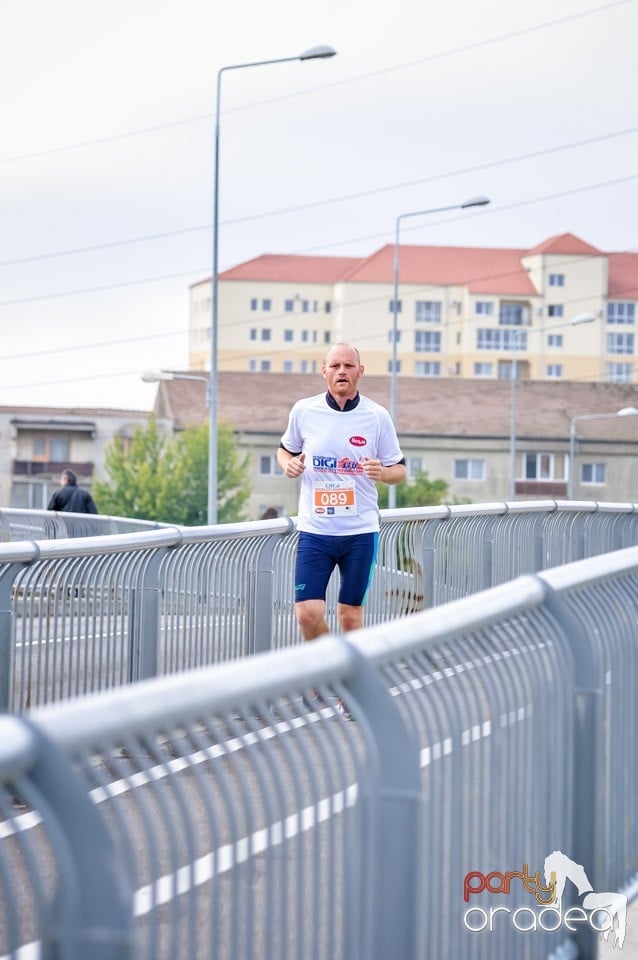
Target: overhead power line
column 443, row 54
column 343, row 198
column 184, row 273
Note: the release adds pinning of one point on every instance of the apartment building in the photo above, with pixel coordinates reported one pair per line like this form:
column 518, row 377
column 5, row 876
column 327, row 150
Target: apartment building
column 37, row 443
column 461, row 312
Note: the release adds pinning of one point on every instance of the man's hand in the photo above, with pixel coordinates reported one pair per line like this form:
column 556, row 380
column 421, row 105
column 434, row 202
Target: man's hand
column 295, row 466
column 371, row 468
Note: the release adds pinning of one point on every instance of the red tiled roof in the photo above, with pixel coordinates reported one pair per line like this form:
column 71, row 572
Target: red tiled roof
column 488, row 270
column 622, row 282
column 566, row 243
column 480, row 269
column 291, row 268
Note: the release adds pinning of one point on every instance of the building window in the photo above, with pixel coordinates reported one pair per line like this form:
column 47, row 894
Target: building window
column 305, row 306
column 289, row 306
column 428, row 311
column 265, row 333
column 427, row 341
column 555, row 370
column 427, row 368
column 264, row 366
column 555, row 310
column 266, row 304
column 391, row 306
column 621, row 313
column 557, row 279
column 594, row 473
column 288, row 366
column 327, row 306
column 288, row 335
column 619, row 373
column 303, row 366
column 482, row 369
column 620, row 343
column 544, row 466
column 253, row 303
column 305, row 336
column 326, row 336
column 413, row 466
column 394, row 335
column 252, row 333
column 488, row 339
column 51, row 449
column 484, row 308
column 252, row 365
column 512, row 314
column 554, row 339
column 268, row 467
column 397, row 369
column 469, row 470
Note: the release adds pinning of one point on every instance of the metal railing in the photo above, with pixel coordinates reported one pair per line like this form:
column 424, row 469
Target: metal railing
column 16, row 524
column 233, row 815
column 80, row 616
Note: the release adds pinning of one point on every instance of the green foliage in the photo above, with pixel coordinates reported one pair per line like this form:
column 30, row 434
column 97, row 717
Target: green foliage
column 166, row 478
column 419, row 492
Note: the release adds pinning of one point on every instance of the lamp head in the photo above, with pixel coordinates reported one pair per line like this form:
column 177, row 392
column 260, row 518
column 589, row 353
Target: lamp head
column 154, row 376
column 582, row 318
column 318, row 53
column 476, row 202
column 627, row 412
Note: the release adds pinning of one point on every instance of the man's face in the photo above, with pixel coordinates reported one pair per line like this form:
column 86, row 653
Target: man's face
column 341, row 371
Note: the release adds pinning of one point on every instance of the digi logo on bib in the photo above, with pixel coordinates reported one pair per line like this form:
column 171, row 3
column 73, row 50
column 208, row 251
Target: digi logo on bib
column 357, row 441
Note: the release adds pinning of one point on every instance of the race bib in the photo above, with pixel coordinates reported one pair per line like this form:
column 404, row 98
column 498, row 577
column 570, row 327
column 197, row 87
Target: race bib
column 334, row 498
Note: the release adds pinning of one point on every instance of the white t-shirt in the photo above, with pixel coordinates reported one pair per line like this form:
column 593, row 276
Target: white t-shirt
column 336, row 496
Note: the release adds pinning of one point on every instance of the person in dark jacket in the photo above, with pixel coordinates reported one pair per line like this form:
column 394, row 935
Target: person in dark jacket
column 70, row 497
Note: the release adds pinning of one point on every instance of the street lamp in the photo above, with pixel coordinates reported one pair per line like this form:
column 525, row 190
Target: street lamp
column 474, row 202
column 314, row 53
column 624, row 412
column 574, row 322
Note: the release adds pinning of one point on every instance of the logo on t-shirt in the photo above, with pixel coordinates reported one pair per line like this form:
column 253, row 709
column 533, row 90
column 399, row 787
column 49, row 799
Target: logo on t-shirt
column 334, row 465
column 357, row 441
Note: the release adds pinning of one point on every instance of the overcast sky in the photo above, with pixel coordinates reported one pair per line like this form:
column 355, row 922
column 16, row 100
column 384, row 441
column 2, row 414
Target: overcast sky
column 106, row 155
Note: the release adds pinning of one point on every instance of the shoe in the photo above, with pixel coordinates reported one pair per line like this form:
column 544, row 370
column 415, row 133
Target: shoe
column 344, row 712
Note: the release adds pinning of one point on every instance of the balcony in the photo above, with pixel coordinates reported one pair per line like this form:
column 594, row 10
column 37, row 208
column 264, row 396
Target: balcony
column 541, row 489
column 53, row 468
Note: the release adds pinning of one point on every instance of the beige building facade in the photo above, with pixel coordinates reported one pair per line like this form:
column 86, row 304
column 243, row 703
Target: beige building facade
column 461, row 313
column 37, row 443
column 458, row 430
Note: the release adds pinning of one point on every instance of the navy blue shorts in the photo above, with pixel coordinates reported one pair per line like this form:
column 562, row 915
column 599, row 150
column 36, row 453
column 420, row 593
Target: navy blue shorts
column 318, row 555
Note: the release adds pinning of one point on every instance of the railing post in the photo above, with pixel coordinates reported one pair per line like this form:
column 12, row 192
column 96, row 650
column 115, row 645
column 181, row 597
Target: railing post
column 392, row 801
column 588, row 718
column 261, row 603
column 429, row 560
column 144, row 620
column 7, row 638
column 92, row 913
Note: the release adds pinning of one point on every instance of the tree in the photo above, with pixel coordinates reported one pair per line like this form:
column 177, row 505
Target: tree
column 166, row 478
column 419, row 492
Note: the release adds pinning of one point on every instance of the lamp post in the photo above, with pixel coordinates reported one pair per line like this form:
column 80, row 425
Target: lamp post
column 624, row 412
column 574, row 322
column 474, row 202
column 314, row 53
